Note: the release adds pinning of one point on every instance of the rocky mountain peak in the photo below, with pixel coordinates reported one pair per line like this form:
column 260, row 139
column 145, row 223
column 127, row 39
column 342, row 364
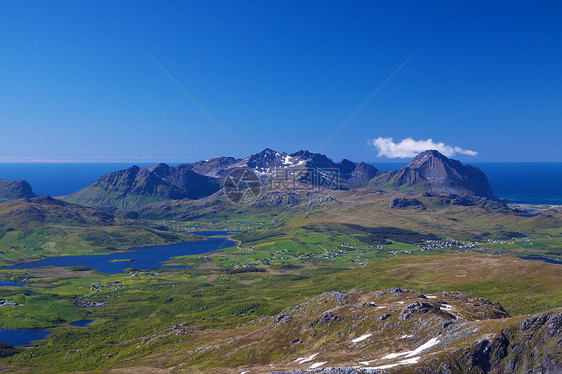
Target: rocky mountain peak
column 136, row 186
column 266, row 160
column 432, row 171
column 429, row 157
column 161, row 167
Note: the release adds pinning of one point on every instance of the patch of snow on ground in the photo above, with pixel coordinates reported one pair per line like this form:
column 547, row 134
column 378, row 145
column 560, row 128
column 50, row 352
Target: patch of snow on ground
column 431, row 297
column 361, row 338
column 302, row 360
column 446, row 307
column 406, row 336
column 394, row 355
column 412, row 360
column 400, row 302
column 317, row 364
column 430, row 343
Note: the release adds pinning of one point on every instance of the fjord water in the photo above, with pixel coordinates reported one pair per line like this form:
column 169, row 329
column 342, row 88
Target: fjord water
column 144, row 258
column 522, row 182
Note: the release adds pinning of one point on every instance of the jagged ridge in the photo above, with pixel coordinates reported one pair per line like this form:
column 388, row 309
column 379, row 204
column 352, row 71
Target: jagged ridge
column 136, row 186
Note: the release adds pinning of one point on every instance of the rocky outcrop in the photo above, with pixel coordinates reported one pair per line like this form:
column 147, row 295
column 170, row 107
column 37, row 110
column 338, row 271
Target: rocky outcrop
column 406, row 203
column 88, row 304
column 13, row 190
column 416, row 308
column 533, row 345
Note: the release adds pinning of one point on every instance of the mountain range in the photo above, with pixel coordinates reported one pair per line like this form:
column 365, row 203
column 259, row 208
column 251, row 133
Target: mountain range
column 269, row 161
column 430, row 171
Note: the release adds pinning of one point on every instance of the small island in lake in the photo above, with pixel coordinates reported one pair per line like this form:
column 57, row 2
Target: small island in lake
column 123, row 260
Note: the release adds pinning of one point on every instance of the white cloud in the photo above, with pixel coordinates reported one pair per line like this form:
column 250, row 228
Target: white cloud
column 408, row 148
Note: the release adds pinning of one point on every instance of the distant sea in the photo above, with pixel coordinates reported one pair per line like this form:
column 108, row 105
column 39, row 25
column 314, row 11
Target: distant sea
column 57, row 179
column 518, row 182
column 526, row 182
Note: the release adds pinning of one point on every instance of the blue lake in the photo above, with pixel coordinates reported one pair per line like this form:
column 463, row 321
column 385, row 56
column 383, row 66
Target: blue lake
column 22, row 336
column 11, row 284
column 145, row 258
column 81, row 323
column 536, row 258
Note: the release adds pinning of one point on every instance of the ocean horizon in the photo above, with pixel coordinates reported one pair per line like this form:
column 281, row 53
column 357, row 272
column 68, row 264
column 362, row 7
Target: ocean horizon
column 518, row 182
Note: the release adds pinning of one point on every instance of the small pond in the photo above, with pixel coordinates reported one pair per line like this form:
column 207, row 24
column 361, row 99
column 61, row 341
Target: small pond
column 22, row 336
column 81, row 323
column 11, row 284
column 537, row 258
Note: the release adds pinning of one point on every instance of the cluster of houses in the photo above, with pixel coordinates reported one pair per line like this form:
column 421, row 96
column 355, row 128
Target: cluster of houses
column 444, row 244
column 110, row 286
column 4, row 302
column 344, row 249
column 326, row 254
column 450, row 244
column 513, row 240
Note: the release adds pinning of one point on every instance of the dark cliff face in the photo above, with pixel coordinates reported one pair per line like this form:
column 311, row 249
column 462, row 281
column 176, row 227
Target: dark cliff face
column 431, row 171
column 13, row 190
column 266, row 160
column 190, row 184
column 533, row 346
column 316, row 160
column 365, row 171
column 212, row 167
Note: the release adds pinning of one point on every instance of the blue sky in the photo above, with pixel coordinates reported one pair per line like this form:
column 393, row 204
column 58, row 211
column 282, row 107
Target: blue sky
column 77, row 82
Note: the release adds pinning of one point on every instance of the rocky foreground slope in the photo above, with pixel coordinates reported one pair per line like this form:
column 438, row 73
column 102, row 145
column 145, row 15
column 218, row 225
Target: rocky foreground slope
column 393, row 330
